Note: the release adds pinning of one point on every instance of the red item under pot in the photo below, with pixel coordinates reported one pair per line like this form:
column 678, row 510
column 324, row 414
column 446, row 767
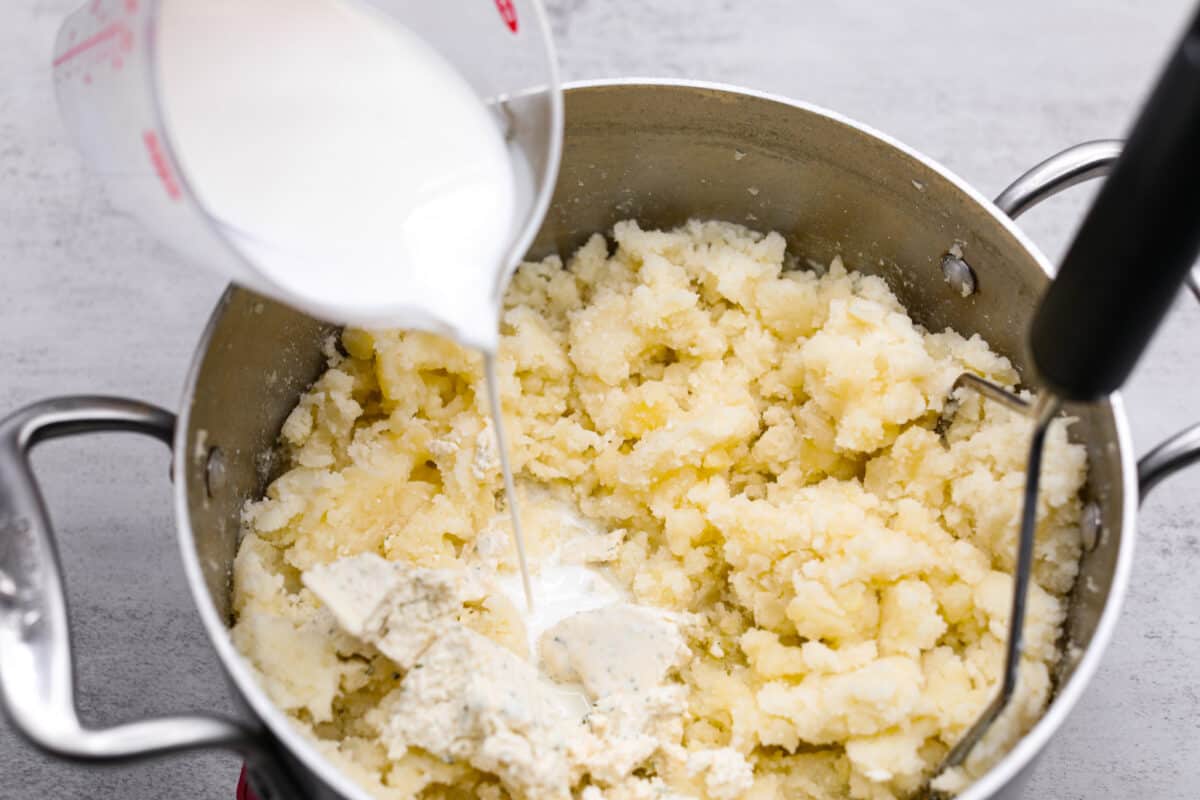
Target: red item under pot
column 243, row 789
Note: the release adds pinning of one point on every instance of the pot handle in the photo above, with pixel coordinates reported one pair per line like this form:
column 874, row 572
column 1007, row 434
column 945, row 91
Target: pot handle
column 36, row 667
column 1061, row 171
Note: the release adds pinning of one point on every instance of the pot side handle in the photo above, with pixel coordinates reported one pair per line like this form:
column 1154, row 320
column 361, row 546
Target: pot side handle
column 36, row 667
column 1065, row 169
column 1059, row 172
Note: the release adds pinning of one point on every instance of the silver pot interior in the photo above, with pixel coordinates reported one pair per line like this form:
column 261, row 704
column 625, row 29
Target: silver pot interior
column 661, row 154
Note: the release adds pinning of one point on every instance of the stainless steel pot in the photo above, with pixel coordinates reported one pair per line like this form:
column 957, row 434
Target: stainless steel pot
column 659, row 152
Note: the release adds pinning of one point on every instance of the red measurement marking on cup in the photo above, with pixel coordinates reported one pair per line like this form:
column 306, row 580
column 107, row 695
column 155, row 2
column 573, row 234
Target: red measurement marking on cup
column 117, row 30
column 158, row 157
column 508, row 12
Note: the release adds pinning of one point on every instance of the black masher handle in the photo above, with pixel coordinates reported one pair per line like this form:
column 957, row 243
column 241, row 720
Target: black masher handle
column 1134, row 248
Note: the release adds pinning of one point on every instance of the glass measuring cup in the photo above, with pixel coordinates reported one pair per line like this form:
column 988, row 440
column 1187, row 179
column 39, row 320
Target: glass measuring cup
column 107, row 78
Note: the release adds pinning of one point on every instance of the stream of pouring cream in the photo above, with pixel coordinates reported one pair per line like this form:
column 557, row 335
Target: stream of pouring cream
column 510, row 491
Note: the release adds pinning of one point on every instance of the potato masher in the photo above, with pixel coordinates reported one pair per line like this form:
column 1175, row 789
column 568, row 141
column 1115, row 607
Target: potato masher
column 1131, row 255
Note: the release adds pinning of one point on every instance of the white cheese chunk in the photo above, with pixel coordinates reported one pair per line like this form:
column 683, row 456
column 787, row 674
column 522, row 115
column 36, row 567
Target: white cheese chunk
column 396, row 607
column 468, row 698
column 618, row 649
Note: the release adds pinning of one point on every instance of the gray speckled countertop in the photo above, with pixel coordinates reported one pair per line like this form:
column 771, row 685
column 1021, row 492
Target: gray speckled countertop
column 89, row 303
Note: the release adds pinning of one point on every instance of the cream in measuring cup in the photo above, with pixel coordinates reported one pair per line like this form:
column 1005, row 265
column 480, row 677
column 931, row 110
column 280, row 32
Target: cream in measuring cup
column 343, row 157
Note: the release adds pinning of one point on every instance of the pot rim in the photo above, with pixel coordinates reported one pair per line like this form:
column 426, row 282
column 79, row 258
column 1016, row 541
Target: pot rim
column 1018, row 758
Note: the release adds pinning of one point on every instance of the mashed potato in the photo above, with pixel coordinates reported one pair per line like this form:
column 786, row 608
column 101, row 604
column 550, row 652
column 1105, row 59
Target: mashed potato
column 757, row 446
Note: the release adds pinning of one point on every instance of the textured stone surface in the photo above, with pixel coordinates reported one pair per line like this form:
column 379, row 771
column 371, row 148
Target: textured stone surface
column 91, row 304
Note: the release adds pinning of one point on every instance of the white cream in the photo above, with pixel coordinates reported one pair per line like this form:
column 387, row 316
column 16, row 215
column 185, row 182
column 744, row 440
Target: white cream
column 562, row 590
column 584, row 632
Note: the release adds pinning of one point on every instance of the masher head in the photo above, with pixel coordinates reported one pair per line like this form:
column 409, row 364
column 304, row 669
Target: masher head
column 1042, row 411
